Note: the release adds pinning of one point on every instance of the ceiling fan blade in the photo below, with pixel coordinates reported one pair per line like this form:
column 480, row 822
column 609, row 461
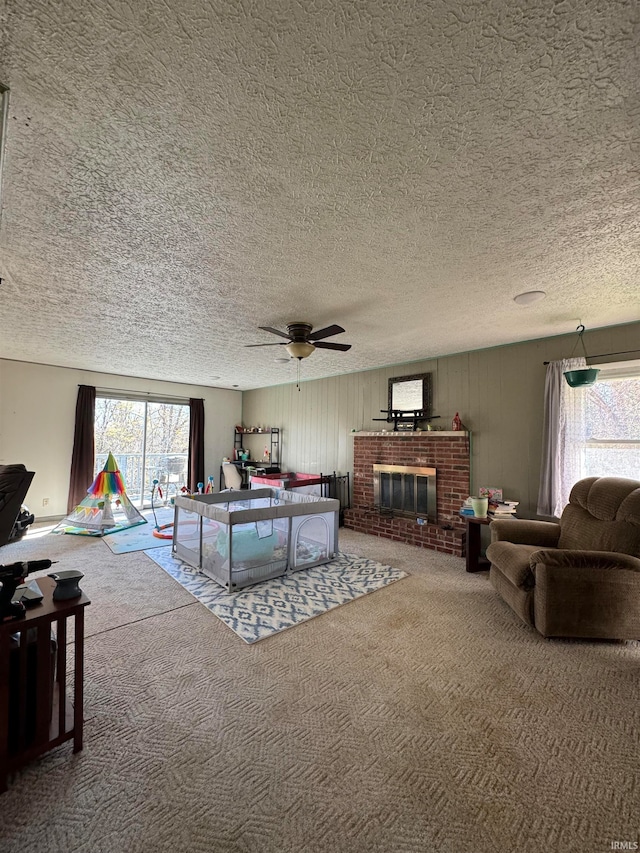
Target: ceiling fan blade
column 329, row 345
column 274, row 332
column 274, row 344
column 325, row 333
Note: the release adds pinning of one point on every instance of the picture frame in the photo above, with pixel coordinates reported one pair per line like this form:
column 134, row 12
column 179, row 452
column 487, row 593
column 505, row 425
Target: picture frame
column 491, row 492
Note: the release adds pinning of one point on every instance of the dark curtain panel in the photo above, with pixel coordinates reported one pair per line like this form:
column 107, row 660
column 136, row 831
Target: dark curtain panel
column 83, row 446
column 196, row 444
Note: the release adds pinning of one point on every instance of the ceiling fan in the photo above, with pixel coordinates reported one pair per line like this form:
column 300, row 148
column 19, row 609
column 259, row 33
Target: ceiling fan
column 302, row 340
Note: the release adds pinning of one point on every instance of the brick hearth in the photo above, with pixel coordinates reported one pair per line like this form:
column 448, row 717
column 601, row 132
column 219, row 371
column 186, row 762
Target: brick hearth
column 447, row 452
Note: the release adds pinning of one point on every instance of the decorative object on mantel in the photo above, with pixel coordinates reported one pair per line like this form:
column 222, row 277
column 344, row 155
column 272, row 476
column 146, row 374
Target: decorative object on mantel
column 585, row 377
column 456, row 423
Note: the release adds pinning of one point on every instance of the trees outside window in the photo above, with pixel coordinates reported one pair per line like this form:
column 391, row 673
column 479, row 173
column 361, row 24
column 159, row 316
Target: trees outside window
column 149, row 439
column 590, row 431
column 612, row 445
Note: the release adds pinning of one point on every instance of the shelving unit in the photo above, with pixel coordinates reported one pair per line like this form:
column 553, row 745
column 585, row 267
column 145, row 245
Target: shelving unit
column 273, row 434
column 403, row 419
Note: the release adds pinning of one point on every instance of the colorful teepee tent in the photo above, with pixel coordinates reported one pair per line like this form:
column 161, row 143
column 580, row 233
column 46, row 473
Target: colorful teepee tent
column 106, row 509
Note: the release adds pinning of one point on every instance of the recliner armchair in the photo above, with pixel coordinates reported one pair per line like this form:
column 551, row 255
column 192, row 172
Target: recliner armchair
column 579, row 577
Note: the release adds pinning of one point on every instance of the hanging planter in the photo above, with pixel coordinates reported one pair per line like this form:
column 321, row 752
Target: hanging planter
column 586, row 376
column 581, row 378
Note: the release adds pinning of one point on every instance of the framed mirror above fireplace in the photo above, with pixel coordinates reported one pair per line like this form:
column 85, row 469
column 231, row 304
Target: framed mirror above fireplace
column 409, row 402
column 410, row 393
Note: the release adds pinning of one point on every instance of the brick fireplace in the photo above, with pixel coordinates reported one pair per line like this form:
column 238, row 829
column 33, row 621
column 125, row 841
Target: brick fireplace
column 447, row 452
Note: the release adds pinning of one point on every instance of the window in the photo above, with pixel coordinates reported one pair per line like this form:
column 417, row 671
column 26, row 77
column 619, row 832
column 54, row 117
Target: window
column 612, row 444
column 149, row 439
column 600, row 429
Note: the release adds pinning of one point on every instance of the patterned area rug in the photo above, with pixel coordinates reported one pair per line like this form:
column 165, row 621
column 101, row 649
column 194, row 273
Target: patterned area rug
column 266, row 608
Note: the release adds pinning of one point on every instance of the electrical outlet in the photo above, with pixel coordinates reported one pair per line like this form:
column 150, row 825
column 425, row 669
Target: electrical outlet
column 45, row 501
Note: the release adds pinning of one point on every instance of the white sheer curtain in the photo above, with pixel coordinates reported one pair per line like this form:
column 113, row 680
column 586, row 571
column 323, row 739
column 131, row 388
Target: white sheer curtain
column 563, row 437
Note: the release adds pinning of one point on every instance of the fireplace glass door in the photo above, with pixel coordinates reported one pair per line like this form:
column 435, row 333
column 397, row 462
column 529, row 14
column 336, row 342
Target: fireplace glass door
column 405, row 490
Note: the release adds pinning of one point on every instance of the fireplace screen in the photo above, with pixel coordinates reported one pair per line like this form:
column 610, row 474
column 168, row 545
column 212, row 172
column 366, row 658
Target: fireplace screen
column 405, row 490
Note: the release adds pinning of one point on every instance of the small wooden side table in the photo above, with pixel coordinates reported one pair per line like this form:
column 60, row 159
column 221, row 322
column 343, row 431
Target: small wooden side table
column 475, row 563
column 40, row 720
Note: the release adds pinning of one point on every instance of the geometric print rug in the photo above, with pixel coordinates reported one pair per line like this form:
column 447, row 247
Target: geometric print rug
column 271, row 606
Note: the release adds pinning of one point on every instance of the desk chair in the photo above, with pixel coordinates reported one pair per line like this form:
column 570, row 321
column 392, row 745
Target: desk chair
column 232, row 477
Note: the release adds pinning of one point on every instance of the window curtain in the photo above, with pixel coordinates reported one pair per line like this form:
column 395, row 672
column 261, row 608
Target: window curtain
column 82, row 458
column 563, row 437
column 196, row 443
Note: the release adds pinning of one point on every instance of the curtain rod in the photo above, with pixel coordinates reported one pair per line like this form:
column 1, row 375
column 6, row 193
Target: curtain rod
column 605, row 354
column 145, row 393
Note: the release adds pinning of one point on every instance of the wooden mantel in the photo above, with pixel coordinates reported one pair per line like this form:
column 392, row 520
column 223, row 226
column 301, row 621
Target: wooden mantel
column 423, row 433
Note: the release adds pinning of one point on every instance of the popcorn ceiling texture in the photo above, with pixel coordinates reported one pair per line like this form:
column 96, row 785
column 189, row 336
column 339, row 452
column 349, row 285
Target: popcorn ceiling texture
column 179, row 173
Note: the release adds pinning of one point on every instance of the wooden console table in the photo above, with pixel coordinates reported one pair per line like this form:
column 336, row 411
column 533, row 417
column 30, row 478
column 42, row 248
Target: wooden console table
column 475, row 563
column 35, row 712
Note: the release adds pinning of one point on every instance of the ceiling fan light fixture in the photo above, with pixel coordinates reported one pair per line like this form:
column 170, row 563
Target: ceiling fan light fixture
column 299, row 349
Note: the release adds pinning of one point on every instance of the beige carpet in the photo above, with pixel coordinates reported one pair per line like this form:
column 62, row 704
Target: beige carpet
column 421, row 718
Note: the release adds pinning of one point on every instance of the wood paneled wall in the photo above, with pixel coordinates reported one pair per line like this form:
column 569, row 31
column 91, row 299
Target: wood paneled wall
column 498, row 393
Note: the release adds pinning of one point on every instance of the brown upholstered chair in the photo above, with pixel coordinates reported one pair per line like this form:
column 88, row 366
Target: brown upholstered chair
column 579, row 577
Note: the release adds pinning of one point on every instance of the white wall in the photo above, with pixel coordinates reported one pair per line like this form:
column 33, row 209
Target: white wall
column 498, row 392
column 37, row 412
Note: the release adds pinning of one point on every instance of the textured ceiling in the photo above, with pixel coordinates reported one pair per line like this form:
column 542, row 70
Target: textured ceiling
column 179, row 173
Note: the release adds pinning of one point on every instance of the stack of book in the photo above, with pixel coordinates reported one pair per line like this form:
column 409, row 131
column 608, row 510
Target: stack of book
column 502, row 509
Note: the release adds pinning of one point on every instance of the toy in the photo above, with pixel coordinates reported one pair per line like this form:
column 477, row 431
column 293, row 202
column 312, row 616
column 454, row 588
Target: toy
column 157, row 530
column 95, row 515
